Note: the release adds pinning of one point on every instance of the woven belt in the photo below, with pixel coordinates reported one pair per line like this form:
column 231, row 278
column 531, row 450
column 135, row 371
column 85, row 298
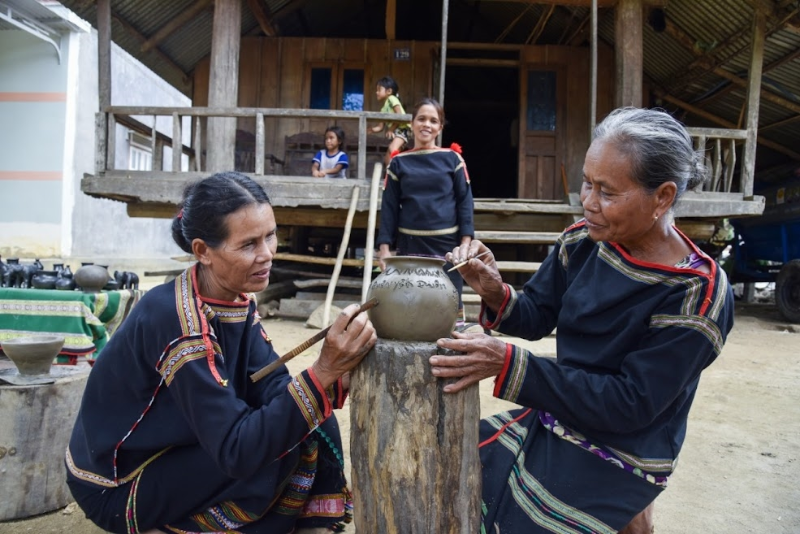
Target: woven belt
column 443, row 231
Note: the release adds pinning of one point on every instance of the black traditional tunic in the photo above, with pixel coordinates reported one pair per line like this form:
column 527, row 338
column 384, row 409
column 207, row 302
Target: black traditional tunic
column 173, row 434
column 427, row 204
column 606, row 419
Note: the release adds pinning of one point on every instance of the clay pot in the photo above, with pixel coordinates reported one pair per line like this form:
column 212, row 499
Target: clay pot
column 33, row 355
column 91, row 278
column 418, row 302
column 44, row 279
column 65, row 283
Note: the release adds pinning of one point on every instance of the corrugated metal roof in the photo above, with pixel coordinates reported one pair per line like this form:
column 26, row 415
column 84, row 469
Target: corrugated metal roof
column 719, row 31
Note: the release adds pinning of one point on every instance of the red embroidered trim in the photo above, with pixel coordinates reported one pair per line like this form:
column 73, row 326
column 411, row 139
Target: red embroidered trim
column 503, row 428
column 498, row 381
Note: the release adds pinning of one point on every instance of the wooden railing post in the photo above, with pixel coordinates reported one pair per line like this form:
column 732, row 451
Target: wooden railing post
column 362, row 147
column 177, row 144
column 259, row 144
column 198, row 144
column 100, row 143
column 111, row 142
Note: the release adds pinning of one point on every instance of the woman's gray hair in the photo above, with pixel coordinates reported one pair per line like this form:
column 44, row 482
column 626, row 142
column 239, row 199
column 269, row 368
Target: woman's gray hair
column 658, row 146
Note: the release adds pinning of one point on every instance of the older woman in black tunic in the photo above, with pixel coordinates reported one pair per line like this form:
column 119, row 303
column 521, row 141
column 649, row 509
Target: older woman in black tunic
column 640, row 311
column 173, row 435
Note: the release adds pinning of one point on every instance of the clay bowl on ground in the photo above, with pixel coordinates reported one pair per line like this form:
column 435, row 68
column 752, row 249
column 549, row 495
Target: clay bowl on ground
column 33, row 355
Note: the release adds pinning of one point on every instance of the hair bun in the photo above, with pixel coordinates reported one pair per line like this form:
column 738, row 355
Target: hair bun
column 699, row 171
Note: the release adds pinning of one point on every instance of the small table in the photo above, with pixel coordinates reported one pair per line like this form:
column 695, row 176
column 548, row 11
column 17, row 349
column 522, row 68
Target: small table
column 86, row 320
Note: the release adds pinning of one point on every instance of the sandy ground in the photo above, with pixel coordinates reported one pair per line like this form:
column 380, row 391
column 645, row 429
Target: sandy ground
column 740, row 464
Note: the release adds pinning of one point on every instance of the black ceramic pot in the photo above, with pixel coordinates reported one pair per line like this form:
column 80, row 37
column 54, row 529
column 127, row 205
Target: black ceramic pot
column 65, row 283
column 44, row 280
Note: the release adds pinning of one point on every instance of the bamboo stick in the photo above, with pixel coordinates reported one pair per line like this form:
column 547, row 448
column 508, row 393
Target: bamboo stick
column 267, row 369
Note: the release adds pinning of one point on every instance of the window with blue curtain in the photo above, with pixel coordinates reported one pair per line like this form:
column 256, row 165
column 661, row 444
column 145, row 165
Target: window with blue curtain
column 353, row 90
column 541, row 100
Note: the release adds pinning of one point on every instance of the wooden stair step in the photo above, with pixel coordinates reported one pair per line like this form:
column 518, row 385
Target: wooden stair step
column 518, row 266
column 547, row 238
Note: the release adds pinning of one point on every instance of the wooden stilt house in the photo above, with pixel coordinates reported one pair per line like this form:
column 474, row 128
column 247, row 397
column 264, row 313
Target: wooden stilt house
column 523, row 83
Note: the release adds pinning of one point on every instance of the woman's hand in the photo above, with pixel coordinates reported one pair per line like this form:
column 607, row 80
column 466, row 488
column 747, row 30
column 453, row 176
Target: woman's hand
column 485, row 357
column 344, row 346
column 383, row 253
column 318, row 173
column 481, row 274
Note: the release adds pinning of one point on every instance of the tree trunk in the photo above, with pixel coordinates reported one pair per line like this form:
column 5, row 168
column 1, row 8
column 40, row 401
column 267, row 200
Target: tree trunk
column 414, row 449
column 36, row 423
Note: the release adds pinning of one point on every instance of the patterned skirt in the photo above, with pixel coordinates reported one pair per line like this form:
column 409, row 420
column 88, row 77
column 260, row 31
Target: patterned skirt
column 535, row 482
column 182, row 491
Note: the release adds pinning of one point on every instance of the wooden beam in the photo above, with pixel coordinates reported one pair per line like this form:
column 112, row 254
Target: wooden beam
column 540, row 25
column 104, row 52
column 262, row 15
column 184, row 78
column 723, row 122
column 689, row 43
column 579, row 3
column 763, row 93
column 391, row 19
column 181, row 19
column 223, row 84
column 753, row 94
column 628, row 53
column 778, row 124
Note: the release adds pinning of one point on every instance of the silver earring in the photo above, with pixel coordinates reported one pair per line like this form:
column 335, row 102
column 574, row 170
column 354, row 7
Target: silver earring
column 655, row 217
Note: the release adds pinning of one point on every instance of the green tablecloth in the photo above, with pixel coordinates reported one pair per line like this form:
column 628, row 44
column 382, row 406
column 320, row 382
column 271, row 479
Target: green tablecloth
column 86, row 320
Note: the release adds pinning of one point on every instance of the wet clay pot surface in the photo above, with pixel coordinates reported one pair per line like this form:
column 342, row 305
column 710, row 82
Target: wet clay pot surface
column 417, row 301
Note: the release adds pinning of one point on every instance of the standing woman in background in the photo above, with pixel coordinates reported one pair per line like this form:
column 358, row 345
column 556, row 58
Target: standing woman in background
column 427, row 204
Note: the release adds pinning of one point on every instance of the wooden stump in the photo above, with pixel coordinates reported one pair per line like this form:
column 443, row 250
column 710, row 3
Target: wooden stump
column 414, row 449
column 36, row 423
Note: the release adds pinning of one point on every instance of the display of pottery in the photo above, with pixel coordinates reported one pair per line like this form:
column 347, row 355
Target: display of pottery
column 34, row 354
column 418, row 300
column 91, row 278
column 44, row 280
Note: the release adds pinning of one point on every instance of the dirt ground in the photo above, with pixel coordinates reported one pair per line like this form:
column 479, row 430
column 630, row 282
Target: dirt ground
column 740, row 464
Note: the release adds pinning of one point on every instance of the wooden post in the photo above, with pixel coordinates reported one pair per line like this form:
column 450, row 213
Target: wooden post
column 103, row 82
column 753, row 92
column 337, row 268
column 223, row 84
column 593, row 83
column 414, row 449
column 628, row 52
column 372, row 217
column 391, row 13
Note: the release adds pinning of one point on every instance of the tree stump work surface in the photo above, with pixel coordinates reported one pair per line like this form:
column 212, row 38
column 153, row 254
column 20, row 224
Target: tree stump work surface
column 414, row 449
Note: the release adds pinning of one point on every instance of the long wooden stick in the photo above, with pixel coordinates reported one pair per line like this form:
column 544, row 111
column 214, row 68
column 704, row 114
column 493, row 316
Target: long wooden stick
column 267, row 369
column 326, row 311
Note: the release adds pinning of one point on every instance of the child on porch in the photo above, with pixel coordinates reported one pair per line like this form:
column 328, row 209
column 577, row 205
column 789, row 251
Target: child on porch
column 331, row 162
column 388, row 92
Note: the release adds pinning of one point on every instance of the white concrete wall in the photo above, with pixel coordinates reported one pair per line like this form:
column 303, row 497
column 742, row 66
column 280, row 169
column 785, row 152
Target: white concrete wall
column 101, row 228
column 47, row 144
column 32, row 115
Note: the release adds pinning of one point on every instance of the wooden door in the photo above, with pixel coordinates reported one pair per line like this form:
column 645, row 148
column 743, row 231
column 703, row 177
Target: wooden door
column 541, row 119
